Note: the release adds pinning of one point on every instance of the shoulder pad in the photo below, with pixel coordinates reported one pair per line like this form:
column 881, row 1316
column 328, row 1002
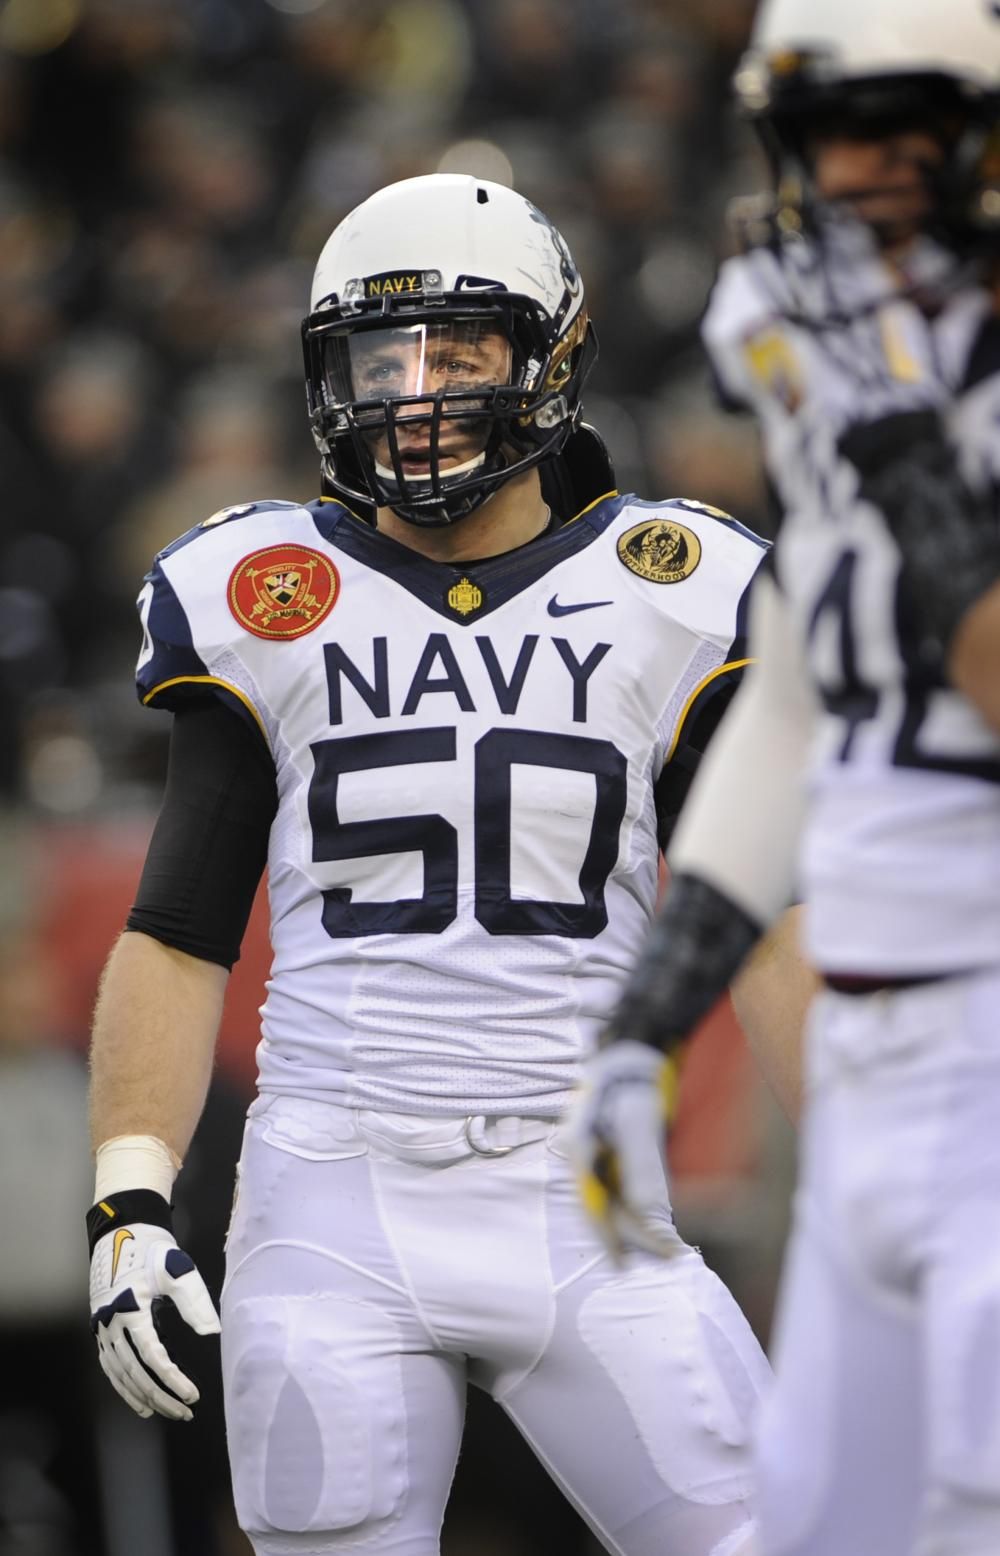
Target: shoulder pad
column 240, row 511
column 695, row 563
column 679, row 510
column 168, row 655
column 237, row 511
column 191, row 637
column 750, row 291
column 692, row 505
column 745, row 331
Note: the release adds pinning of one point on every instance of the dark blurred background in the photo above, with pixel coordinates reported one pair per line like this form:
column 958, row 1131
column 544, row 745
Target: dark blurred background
column 169, row 170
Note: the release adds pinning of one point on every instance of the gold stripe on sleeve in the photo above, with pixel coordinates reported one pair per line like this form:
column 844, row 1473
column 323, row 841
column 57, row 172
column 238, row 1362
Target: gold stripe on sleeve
column 209, row 680
column 731, row 664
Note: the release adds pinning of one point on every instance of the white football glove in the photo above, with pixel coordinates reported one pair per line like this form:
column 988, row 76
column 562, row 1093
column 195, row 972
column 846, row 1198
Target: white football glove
column 132, row 1266
column 616, row 1133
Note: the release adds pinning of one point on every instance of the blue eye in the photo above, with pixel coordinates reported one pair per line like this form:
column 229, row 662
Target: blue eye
column 379, row 374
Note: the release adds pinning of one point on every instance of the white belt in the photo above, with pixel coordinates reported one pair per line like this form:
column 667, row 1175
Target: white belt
column 411, row 1138
column 328, row 1130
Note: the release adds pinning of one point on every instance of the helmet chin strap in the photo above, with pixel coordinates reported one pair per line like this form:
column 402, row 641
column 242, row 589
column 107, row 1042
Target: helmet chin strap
column 416, row 482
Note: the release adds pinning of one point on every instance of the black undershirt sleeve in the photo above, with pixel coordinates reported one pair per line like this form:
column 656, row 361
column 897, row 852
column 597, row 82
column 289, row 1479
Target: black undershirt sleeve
column 209, row 846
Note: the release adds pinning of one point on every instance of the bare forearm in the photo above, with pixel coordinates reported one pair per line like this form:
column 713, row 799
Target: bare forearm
column 154, row 1034
column 974, row 656
column 771, row 996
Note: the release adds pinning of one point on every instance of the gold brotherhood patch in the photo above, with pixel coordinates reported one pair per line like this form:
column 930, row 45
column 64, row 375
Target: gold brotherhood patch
column 283, row 591
column 660, row 551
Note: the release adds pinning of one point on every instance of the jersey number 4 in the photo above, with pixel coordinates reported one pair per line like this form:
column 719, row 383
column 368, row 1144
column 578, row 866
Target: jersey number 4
column 876, row 677
column 437, row 840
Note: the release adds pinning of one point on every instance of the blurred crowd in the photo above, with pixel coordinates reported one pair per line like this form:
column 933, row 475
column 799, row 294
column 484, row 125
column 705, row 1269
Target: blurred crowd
column 169, row 170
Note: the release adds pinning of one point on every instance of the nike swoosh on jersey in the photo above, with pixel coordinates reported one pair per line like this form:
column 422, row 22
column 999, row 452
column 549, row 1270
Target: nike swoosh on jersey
column 555, row 609
column 122, row 1236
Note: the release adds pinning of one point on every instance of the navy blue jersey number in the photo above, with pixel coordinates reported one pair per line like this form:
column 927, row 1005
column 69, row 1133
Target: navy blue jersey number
column 435, row 838
column 431, row 836
column 496, row 753
column 850, row 698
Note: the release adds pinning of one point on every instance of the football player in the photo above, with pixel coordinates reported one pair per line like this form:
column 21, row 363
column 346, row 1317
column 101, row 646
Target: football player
column 860, row 766
column 452, row 704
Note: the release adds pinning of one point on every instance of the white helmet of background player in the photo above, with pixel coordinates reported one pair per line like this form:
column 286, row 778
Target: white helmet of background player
column 858, row 67
column 446, row 346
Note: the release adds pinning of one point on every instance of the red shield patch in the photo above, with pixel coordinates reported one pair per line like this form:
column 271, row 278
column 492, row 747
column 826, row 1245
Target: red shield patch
column 283, row 591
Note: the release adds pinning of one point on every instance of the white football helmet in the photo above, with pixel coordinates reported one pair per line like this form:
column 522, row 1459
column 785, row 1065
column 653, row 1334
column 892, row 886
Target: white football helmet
column 852, row 65
column 446, row 346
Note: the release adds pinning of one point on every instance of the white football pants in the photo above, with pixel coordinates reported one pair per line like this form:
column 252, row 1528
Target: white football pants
column 377, row 1262
column 881, row 1434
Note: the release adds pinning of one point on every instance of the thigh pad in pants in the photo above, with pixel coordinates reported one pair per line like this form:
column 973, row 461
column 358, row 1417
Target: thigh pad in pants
column 315, row 1446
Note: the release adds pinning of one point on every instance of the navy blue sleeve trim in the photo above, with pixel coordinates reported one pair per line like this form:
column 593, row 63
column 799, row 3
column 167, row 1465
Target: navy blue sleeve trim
column 168, row 653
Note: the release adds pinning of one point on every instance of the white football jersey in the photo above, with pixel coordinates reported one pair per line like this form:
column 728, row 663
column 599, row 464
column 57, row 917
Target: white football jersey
column 899, row 864
column 464, row 858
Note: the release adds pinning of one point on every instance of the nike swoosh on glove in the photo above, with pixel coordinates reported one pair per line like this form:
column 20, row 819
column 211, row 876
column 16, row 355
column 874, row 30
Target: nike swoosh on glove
column 132, row 1267
column 616, row 1133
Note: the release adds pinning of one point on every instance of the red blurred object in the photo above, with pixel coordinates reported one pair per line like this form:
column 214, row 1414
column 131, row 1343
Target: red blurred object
column 87, row 877
column 716, row 1134
column 717, row 1130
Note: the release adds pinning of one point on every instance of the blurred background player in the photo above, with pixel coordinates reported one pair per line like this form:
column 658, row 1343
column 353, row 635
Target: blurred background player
column 862, row 328
column 168, row 174
column 453, row 705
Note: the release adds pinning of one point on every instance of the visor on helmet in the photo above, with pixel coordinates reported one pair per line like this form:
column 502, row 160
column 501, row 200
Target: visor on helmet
column 411, row 361
column 420, row 397
column 427, row 407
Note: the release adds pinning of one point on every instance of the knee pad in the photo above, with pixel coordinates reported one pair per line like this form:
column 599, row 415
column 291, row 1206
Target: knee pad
column 314, row 1415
